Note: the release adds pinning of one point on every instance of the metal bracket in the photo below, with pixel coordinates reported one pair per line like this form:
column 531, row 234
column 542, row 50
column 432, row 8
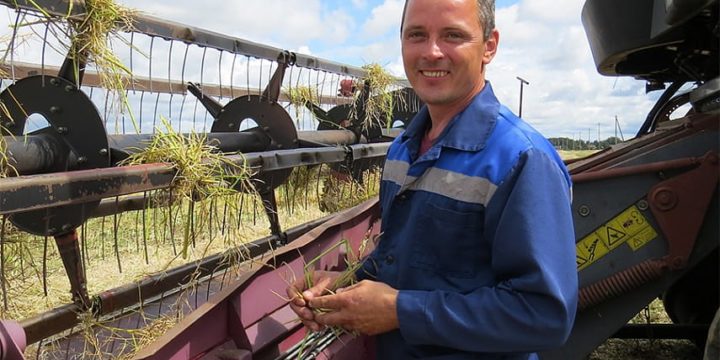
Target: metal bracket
column 679, row 205
column 69, row 249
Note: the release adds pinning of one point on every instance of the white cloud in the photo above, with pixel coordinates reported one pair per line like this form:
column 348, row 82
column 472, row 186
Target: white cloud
column 384, row 18
column 359, row 3
column 544, row 42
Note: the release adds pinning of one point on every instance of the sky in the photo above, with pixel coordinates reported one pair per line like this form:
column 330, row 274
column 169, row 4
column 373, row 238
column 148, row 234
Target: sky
column 542, row 41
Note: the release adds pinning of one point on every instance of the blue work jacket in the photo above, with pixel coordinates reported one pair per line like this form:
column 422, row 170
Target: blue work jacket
column 477, row 236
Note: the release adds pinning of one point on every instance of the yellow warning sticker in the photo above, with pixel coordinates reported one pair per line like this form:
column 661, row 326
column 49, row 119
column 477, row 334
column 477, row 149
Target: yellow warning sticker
column 629, row 227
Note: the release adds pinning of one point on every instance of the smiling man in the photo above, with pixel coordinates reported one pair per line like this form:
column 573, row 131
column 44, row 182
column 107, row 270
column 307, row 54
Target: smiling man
column 477, row 256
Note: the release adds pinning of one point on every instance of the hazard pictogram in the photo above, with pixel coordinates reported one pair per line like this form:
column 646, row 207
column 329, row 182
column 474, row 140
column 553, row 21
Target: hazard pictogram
column 580, row 261
column 614, row 236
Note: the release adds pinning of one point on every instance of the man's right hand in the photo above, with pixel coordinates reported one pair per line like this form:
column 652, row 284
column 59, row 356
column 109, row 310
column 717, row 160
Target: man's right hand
column 300, row 294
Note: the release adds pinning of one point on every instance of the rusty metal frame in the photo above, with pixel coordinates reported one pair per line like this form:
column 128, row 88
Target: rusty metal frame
column 233, row 315
column 34, row 192
column 110, row 301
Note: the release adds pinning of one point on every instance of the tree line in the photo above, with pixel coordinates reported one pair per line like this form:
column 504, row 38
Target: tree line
column 563, row 143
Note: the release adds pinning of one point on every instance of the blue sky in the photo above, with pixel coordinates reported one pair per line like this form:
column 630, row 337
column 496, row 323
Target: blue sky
column 542, row 41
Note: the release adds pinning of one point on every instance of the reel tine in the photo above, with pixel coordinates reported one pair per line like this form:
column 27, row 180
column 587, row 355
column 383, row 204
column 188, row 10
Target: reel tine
column 44, row 266
column 116, row 223
column 3, row 277
column 145, row 230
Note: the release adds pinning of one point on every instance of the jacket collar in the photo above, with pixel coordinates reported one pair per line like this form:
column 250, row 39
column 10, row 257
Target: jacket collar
column 468, row 130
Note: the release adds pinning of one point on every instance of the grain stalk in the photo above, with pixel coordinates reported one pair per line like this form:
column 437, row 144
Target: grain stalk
column 380, row 103
column 202, row 173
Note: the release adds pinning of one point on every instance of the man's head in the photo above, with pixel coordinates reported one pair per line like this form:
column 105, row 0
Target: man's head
column 445, row 46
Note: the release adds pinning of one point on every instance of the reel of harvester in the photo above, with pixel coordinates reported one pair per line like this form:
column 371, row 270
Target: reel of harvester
column 74, row 169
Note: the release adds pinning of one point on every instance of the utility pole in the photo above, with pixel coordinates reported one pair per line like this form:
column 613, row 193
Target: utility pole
column 522, row 82
column 617, row 127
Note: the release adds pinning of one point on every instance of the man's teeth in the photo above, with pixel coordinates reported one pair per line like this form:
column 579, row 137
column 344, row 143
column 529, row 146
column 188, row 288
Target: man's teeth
column 435, row 73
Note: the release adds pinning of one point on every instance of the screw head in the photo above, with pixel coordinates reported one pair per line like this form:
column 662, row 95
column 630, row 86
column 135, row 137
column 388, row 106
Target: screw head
column 584, row 210
column 69, row 88
column 66, row 227
column 54, row 81
column 55, row 109
column 82, row 159
column 62, row 130
column 642, row 205
column 103, row 151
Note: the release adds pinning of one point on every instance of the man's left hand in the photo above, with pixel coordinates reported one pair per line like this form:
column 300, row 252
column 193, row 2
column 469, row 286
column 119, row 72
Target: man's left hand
column 368, row 307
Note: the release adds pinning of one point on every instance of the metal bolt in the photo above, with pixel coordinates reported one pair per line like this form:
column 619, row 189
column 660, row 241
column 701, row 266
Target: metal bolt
column 66, row 227
column 266, row 128
column 51, row 231
column 62, row 130
column 665, row 199
column 642, row 205
column 584, row 210
column 55, row 82
column 69, row 88
column 103, row 151
column 82, row 159
column 231, row 125
column 55, row 109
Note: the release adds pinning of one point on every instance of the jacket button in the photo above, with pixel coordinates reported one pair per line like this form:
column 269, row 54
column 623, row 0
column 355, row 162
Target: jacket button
column 389, row 259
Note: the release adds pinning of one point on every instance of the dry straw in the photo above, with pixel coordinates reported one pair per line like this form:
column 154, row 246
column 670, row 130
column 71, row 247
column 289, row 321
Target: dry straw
column 380, row 103
column 202, row 173
column 353, row 262
column 300, row 96
column 90, row 34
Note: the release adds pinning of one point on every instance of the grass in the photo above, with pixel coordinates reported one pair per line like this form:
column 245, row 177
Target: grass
column 380, row 103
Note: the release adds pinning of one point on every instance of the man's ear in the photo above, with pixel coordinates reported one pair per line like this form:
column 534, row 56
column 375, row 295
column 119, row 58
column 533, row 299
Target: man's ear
column 491, row 45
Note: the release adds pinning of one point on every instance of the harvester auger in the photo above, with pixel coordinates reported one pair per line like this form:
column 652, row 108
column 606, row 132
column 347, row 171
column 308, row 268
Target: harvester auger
column 645, row 211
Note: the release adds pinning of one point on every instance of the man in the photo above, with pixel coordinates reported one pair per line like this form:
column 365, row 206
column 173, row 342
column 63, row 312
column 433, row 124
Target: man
column 477, row 256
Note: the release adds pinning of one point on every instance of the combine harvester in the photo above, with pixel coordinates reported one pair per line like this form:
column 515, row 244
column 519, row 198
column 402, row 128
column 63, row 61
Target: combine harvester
column 645, row 211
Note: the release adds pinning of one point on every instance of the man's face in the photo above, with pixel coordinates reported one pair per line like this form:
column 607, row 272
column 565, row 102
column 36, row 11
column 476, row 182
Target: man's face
column 443, row 50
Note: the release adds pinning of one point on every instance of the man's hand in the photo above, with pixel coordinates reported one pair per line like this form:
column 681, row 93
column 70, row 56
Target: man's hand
column 299, row 294
column 367, row 307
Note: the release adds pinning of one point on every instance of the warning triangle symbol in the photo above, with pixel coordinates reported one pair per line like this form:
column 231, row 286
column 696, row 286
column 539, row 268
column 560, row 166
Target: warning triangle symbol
column 580, row 260
column 614, row 236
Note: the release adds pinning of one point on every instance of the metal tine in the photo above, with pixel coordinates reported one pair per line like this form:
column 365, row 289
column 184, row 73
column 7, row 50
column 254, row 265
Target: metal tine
column 44, row 265
column 169, row 79
column 3, row 277
column 191, row 218
column 317, row 184
column 202, row 74
column 171, row 220
column 116, row 223
column 11, row 46
column 102, row 238
column 232, row 76
column 182, row 80
column 144, row 230
column 140, row 116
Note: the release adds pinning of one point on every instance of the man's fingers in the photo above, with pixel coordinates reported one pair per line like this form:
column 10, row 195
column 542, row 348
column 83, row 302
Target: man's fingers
column 332, row 302
column 332, row 318
column 319, row 289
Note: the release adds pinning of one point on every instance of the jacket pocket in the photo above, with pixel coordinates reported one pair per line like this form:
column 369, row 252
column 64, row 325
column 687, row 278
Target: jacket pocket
column 448, row 241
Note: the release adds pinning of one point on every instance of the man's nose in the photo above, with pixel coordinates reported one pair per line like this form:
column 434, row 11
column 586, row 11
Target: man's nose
column 433, row 50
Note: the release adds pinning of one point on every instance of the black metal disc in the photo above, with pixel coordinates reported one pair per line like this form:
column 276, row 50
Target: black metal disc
column 76, row 122
column 273, row 120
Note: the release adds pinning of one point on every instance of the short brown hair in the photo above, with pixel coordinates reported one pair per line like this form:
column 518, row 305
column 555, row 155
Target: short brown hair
column 486, row 16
